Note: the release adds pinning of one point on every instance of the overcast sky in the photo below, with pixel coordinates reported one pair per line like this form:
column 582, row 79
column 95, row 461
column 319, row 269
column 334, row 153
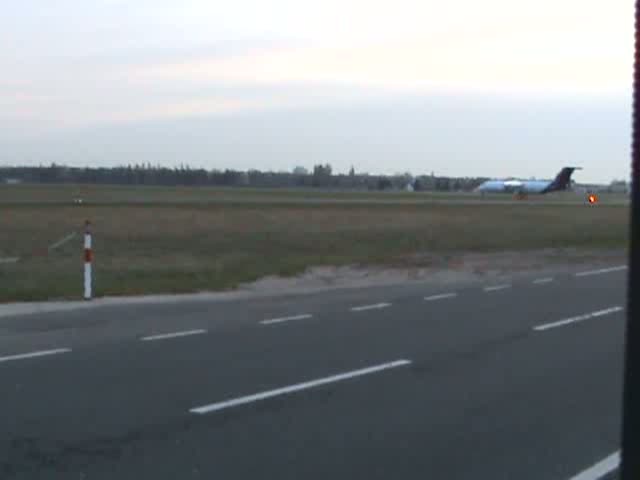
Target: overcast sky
column 497, row 88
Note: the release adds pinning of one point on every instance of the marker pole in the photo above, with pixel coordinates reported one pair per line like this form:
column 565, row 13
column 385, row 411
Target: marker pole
column 88, row 259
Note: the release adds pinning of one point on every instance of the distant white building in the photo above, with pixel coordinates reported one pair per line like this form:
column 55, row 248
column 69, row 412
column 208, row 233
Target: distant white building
column 300, row 171
column 589, row 188
column 619, row 186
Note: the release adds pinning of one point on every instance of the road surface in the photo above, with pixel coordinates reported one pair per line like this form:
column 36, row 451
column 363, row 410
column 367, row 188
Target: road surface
column 516, row 380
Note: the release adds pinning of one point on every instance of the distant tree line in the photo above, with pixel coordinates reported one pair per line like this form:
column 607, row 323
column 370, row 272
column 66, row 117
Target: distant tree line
column 147, row 174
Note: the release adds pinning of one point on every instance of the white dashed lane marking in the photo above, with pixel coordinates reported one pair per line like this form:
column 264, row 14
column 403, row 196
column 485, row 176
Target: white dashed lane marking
column 496, row 288
column 272, row 321
column 441, row 296
column 41, row 353
column 541, row 281
column 375, row 306
column 580, row 318
column 166, row 336
column 214, row 407
column 601, row 271
column 600, row 469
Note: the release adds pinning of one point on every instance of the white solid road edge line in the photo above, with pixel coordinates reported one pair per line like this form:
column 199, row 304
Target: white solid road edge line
column 271, row 321
column 495, row 288
column 214, row 407
column 601, row 271
column 441, row 296
column 540, row 281
column 172, row 335
column 41, row 353
column 600, row 469
column 580, row 318
column 370, row 307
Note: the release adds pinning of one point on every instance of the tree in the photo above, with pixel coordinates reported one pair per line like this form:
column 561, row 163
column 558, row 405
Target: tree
column 384, row 183
column 321, row 175
column 443, row 184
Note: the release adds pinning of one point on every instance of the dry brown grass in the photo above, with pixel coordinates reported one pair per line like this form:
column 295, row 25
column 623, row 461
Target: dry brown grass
column 179, row 248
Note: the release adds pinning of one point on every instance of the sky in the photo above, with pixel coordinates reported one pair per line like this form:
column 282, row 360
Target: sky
column 493, row 88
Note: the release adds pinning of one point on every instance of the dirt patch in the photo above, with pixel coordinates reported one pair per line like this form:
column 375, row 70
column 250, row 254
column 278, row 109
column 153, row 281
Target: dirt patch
column 431, row 270
column 439, row 269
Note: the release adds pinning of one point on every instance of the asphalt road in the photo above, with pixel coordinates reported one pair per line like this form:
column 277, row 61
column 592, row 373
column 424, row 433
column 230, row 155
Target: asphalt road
column 516, row 380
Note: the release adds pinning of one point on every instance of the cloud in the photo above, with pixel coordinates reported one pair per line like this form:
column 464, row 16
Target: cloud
column 154, row 55
column 83, row 67
column 112, row 100
column 455, row 135
column 522, row 64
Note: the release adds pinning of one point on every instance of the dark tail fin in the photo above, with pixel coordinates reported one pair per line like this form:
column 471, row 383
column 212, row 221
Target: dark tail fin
column 562, row 180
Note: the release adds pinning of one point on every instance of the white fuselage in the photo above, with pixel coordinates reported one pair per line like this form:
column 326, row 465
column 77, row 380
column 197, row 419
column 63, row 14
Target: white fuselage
column 511, row 186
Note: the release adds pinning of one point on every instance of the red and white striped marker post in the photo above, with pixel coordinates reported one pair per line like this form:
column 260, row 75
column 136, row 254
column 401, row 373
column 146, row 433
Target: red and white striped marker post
column 88, row 258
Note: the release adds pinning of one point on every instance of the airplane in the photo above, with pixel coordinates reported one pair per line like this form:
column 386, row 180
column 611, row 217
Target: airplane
column 523, row 187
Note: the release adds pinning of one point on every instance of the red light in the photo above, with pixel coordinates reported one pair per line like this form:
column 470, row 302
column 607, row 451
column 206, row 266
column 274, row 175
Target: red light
column 593, row 199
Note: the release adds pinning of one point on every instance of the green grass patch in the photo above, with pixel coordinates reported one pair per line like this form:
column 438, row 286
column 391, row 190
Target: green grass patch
column 163, row 247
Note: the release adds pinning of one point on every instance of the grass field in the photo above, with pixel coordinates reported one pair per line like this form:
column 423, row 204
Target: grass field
column 178, row 240
column 99, row 194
